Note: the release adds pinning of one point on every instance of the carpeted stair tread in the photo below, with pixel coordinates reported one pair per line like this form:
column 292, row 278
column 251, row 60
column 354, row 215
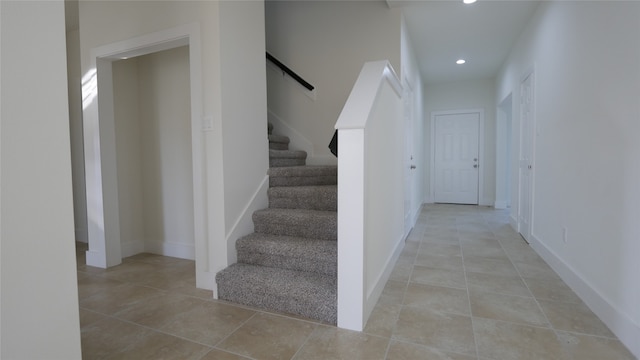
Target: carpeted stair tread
column 320, row 197
column 307, row 294
column 289, row 264
column 287, row 252
column 303, row 176
column 297, row 222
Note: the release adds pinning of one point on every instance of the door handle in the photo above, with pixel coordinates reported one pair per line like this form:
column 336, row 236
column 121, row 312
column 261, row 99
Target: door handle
column 412, row 167
column 475, row 166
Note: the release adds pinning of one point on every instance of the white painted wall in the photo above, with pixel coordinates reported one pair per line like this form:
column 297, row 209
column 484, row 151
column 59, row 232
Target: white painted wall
column 39, row 304
column 233, row 102
column 586, row 58
column 129, row 159
column 325, row 42
column 244, row 115
column 473, row 94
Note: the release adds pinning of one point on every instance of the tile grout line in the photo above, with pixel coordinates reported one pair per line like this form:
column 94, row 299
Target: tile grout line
column 466, row 281
column 544, row 314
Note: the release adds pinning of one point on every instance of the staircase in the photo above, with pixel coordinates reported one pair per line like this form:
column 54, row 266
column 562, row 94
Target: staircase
column 289, row 264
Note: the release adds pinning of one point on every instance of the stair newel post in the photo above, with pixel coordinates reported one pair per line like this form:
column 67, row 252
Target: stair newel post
column 351, row 227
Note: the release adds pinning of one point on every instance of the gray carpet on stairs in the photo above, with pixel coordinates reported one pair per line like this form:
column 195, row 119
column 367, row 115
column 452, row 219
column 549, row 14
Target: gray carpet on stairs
column 289, row 264
column 303, row 176
column 304, row 293
column 323, row 197
column 288, row 252
column 279, row 158
column 297, row 222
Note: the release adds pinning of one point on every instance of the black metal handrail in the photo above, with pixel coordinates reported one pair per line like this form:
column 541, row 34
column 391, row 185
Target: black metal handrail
column 290, row 72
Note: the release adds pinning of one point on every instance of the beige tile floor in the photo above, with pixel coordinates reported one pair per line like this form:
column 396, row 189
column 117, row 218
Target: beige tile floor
column 465, row 287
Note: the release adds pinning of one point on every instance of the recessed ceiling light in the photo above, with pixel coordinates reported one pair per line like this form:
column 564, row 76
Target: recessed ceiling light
column 469, row 1
column 461, row 61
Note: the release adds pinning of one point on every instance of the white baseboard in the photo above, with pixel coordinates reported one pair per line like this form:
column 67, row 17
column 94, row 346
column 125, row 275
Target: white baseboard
column 513, row 222
column 173, row 249
column 414, row 218
column 486, row 202
column 376, row 291
column 619, row 323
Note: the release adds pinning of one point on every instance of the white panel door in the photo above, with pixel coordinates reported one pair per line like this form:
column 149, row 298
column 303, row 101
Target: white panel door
column 526, row 157
column 456, row 158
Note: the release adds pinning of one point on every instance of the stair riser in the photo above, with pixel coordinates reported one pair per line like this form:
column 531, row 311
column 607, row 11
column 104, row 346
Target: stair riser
column 288, row 262
column 305, row 294
column 275, row 181
column 240, row 294
column 312, row 200
column 278, row 146
column 325, row 228
column 278, row 162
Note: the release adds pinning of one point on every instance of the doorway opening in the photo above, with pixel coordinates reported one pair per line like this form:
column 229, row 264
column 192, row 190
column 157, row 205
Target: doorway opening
column 142, row 107
column 153, row 153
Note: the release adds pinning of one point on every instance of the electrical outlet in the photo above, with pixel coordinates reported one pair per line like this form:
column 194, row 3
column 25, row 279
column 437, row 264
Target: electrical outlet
column 564, row 235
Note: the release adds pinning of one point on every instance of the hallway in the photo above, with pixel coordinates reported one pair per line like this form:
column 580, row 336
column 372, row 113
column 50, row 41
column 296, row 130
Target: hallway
column 466, row 286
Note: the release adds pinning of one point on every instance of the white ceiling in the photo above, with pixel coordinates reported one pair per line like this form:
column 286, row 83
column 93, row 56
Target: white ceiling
column 443, row 31
column 482, row 33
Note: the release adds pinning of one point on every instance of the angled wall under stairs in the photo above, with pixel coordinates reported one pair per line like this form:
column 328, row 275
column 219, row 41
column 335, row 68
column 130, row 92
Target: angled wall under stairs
column 289, row 264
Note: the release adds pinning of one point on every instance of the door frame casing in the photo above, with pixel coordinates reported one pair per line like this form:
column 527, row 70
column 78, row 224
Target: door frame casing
column 408, row 151
column 530, row 73
column 432, row 165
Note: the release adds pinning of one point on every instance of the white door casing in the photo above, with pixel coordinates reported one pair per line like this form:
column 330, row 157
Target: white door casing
column 525, row 177
column 457, row 160
column 409, row 163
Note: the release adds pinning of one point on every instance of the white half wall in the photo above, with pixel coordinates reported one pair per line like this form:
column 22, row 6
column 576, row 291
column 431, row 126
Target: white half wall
column 370, row 191
column 38, row 281
column 586, row 57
